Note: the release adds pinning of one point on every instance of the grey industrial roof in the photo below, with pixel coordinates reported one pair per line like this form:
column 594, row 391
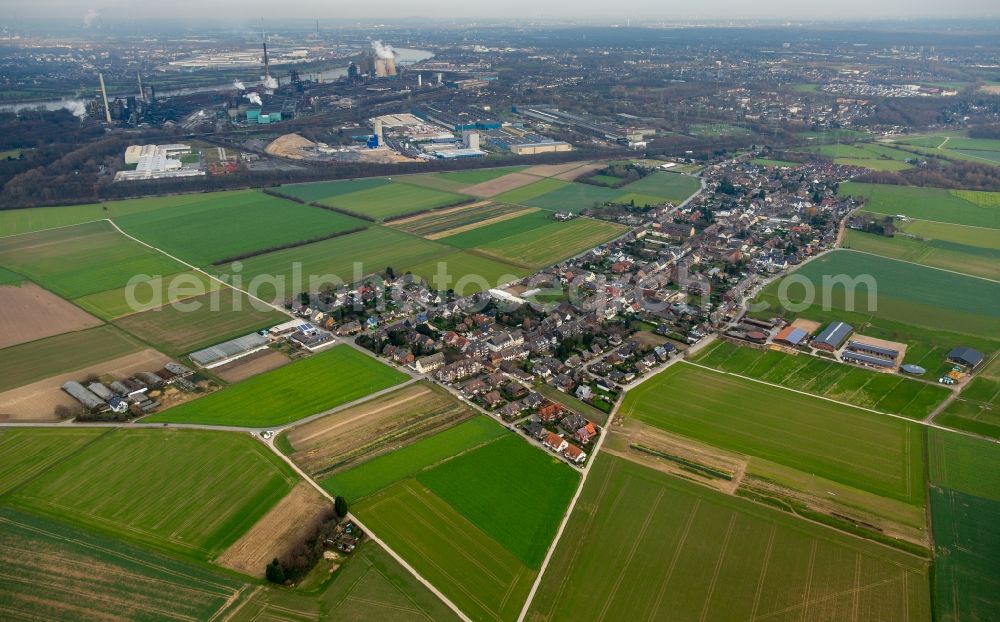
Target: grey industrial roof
column 867, row 347
column 834, row 334
column 864, row 358
column 228, row 349
column 967, row 355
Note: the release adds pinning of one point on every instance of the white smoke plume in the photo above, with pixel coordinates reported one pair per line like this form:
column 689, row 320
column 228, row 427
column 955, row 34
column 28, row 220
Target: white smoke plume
column 239, row 85
column 91, row 16
column 270, row 83
column 383, row 51
column 76, row 106
column 254, row 99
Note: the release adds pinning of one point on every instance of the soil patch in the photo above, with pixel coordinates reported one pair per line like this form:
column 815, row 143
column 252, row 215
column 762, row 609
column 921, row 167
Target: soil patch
column 30, row 313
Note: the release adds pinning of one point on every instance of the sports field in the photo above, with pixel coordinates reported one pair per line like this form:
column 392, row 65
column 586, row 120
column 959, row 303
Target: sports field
column 54, row 571
column 965, row 508
column 201, row 321
column 376, row 426
column 374, row 475
column 496, row 486
column 936, row 204
column 231, row 224
column 643, row 545
column 83, row 259
column 905, row 293
column 671, row 187
column 394, row 199
column 875, row 453
column 36, row 360
column 370, row 586
column 306, row 387
column 485, row 580
column 17, row 221
column 970, row 250
column 188, row 492
column 851, row 384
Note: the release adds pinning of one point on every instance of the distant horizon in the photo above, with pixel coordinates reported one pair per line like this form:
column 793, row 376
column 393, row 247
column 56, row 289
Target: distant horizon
column 393, row 11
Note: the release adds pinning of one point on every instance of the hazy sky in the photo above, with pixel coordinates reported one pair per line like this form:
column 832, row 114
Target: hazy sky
column 391, row 10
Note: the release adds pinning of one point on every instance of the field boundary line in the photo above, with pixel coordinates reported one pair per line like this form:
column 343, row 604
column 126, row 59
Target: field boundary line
column 14, row 235
column 367, row 413
column 569, row 512
column 371, row 534
column 928, row 424
column 211, row 277
column 913, row 263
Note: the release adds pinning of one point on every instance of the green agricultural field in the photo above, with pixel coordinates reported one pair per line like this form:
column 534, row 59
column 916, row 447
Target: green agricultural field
column 866, row 155
column 443, row 221
column 10, row 278
column 351, row 258
column 846, row 383
column 933, row 252
column 871, row 452
column 151, row 294
column 468, row 273
column 965, row 513
column 16, row 221
column 200, row 321
column 485, row 580
column 976, row 197
column 905, row 293
column 83, row 259
column 977, row 408
column 232, row 224
column 346, row 259
column 642, row 545
column 184, row 491
column 37, row 360
column 553, row 242
column 371, row 585
column 497, row 488
column 394, row 199
column 608, row 181
column 306, row 387
column 521, row 196
column 774, row 163
column 324, row 190
column 574, row 198
column 717, row 129
column 936, row 204
column 478, row 176
column 54, row 571
column 489, row 234
column 383, row 471
column 25, row 453
column 671, row 187
column 977, row 154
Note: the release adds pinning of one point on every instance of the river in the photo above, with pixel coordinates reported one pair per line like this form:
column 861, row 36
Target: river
column 404, row 56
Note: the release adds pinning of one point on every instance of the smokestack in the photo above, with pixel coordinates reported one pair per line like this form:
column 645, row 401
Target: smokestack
column 378, row 132
column 104, row 96
column 440, row 79
column 420, row 80
column 142, row 93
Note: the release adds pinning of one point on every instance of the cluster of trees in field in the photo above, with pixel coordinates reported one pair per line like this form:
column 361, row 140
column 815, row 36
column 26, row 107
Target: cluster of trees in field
column 954, row 174
column 303, row 556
